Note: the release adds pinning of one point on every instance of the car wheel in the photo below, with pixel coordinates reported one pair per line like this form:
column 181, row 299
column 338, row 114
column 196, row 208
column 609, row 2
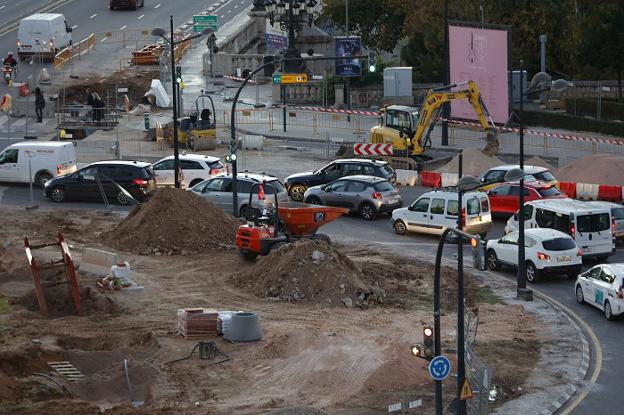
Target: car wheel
column 608, row 312
column 42, row 178
column 57, row 194
column 314, row 200
column 579, row 295
column 399, row 227
column 244, row 210
column 492, row 261
column 122, row 198
column 368, row 211
column 532, row 273
column 297, row 191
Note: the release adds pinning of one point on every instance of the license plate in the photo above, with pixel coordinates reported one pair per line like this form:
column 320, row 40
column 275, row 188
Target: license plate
column 563, row 258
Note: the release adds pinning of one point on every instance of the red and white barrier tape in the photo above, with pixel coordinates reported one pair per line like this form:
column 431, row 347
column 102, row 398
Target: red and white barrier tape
column 339, row 111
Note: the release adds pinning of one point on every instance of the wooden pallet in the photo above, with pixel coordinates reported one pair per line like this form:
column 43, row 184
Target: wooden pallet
column 67, row 370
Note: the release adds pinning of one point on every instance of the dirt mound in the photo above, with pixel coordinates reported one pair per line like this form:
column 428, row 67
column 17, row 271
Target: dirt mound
column 399, row 372
column 539, row 162
column 174, row 221
column 60, row 302
column 475, row 163
column 13, row 264
column 312, row 271
column 607, row 169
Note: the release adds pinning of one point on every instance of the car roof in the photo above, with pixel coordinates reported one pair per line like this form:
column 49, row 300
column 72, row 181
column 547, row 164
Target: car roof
column 546, row 233
column 372, row 161
column 617, row 267
column 194, row 157
column 608, row 205
column 567, row 205
column 258, row 177
column 452, row 191
column 135, row 163
column 527, row 169
column 364, row 178
column 41, row 144
column 538, row 184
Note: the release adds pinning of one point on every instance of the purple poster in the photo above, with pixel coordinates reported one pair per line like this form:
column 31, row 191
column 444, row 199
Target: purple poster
column 480, row 55
column 274, row 41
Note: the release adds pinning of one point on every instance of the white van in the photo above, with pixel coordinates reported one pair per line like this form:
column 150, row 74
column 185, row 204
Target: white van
column 48, row 159
column 42, row 34
column 590, row 224
column 435, row 211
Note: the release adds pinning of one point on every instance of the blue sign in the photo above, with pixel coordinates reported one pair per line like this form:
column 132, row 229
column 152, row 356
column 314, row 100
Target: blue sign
column 439, row 368
column 274, row 41
column 348, row 47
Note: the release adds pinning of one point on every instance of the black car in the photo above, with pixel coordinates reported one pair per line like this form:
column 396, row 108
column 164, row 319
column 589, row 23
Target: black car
column 121, row 181
column 297, row 184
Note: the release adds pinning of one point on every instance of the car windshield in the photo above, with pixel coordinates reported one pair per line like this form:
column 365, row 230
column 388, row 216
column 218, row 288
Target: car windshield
column 548, row 191
column 147, row 172
column 618, row 213
column 276, row 185
column 387, row 171
column 383, row 186
column 593, row 223
column 559, row 244
column 544, row 176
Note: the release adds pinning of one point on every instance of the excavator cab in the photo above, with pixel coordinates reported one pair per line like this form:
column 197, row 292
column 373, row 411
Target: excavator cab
column 398, row 124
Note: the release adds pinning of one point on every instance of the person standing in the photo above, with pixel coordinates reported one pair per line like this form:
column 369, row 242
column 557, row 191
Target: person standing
column 39, row 104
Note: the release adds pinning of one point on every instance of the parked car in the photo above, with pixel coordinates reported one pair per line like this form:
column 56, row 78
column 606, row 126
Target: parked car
column 297, row 184
column 531, row 174
column 588, row 223
column 218, row 190
column 547, row 251
column 195, row 168
column 48, row 159
column 366, row 195
column 125, row 4
column 601, row 286
column 504, row 197
column 437, row 210
column 617, row 216
column 121, row 181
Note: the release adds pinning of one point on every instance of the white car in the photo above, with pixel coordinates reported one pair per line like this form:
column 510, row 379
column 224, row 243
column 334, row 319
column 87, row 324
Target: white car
column 195, row 168
column 547, row 251
column 601, row 286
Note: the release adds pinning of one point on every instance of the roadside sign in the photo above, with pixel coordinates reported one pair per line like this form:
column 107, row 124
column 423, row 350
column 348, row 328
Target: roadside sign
column 277, row 78
column 205, row 21
column 394, row 407
column 122, row 90
column 466, row 392
column 439, row 368
column 414, row 404
column 297, row 78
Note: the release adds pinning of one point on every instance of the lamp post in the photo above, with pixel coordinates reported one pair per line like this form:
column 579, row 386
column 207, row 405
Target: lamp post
column 465, row 184
column 541, row 82
column 291, row 16
column 446, row 78
column 172, row 44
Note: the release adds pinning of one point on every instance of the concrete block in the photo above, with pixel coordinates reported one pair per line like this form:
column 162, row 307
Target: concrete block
column 407, row 177
column 98, row 261
column 449, row 179
column 586, row 191
column 252, row 142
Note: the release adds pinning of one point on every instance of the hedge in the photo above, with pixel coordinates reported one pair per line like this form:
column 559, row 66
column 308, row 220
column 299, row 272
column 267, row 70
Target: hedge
column 610, row 110
column 570, row 123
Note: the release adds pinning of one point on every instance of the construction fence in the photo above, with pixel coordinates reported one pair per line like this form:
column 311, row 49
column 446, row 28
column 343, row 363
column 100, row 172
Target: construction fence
column 75, row 51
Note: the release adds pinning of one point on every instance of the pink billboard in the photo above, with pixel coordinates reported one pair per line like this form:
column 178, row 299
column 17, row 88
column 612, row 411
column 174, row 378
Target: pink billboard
column 480, row 55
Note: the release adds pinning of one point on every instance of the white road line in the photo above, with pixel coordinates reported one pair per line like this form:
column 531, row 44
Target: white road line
column 2, row 7
column 103, row 40
column 140, row 17
column 222, row 16
column 157, row 6
column 242, row 1
column 74, row 26
column 236, row 6
column 93, row 15
column 230, row 11
column 122, row 27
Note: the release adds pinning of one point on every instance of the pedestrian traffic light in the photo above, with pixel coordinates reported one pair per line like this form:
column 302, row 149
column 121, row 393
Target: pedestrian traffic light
column 427, row 351
column 478, row 253
column 372, row 58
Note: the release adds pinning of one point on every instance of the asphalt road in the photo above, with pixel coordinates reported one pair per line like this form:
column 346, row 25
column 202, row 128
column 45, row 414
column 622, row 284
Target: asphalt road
column 86, row 17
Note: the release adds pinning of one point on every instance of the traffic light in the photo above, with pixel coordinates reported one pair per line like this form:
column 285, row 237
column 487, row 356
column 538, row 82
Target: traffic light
column 179, row 80
column 372, row 58
column 478, row 253
column 427, row 350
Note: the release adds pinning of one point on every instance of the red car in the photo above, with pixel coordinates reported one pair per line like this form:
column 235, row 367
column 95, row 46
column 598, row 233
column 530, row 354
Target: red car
column 504, row 198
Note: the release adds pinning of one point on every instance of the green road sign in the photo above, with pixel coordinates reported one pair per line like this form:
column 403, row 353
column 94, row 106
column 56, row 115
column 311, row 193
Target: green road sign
column 201, row 22
column 277, row 78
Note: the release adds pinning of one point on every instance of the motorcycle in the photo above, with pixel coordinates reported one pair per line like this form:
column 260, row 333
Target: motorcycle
column 8, row 73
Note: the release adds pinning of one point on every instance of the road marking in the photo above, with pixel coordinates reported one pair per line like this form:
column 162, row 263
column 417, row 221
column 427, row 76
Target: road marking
column 157, row 6
column 236, row 6
column 230, row 11
column 74, row 26
column 122, row 27
column 93, row 15
column 2, row 7
column 242, row 1
column 222, row 16
column 103, row 40
column 140, row 17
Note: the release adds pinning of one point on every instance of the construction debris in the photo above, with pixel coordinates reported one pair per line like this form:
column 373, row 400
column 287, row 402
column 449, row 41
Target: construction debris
column 197, row 322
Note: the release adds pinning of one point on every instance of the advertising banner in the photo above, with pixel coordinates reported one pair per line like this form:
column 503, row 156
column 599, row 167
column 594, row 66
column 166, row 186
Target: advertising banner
column 275, row 39
column 480, row 55
column 348, row 47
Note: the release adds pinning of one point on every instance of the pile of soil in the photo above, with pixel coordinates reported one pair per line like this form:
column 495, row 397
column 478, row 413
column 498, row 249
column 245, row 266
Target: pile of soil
column 311, row 271
column 13, row 264
column 475, row 163
column 60, row 302
column 539, row 162
column 174, row 221
column 607, row 169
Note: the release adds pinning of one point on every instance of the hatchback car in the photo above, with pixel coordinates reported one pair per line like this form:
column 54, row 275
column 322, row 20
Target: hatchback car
column 194, row 167
column 547, row 251
column 531, row 174
column 601, row 286
column 218, row 190
column 298, row 183
column 366, row 195
column 120, row 180
column 504, row 198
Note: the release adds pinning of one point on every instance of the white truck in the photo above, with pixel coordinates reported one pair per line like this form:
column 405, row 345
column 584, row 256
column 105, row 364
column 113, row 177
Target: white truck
column 42, row 35
column 48, row 159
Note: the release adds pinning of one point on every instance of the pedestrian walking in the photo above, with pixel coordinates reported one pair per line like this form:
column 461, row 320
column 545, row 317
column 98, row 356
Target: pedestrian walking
column 91, row 102
column 98, row 104
column 39, row 104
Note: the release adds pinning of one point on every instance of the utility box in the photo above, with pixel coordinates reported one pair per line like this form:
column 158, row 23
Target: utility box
column 515, row 85
column 398, row 85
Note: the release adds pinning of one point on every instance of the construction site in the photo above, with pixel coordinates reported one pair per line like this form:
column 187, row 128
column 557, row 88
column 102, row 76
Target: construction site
column 334, row 322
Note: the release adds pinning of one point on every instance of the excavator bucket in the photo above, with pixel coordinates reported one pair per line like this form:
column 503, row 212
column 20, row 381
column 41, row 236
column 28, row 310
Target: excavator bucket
column 491, row 144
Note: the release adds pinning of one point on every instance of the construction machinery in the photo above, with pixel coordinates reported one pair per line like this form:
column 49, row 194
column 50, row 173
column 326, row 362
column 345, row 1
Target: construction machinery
column 198, row 131
column 408, row 128
column 285, row 223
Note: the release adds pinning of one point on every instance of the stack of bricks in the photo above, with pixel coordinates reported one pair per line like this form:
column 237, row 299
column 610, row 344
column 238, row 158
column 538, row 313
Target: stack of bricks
column 197, row 322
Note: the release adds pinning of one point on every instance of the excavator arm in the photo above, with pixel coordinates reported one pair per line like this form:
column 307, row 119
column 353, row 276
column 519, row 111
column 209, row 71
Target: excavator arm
column 432, row 104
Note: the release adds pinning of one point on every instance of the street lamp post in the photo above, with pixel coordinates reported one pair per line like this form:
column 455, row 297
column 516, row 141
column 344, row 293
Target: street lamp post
column 446, row 108
column 172, row 44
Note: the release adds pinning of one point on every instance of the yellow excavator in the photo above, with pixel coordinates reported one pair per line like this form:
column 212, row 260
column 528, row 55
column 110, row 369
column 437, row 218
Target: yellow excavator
column 408, row 128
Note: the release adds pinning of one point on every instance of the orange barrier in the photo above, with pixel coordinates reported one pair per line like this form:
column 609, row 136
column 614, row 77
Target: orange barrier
column 430, row 179
column 568, row 188
column 74, row 51
column 610, row 193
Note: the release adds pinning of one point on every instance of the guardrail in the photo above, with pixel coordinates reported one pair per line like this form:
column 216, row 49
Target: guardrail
column 74, row 51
